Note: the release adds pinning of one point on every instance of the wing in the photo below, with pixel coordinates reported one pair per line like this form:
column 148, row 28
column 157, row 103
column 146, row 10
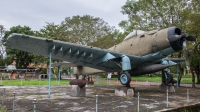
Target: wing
column 77, row 54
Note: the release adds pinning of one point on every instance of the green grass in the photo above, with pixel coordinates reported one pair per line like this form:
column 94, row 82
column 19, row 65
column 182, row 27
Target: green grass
column 155, row 78
column 187, row 79
column 18, row 82
column 147, row 78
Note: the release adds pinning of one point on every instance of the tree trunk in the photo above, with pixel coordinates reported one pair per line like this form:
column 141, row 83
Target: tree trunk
column 57, row 76
column 197, row 73
column 77, row 76
column 60, row 77
column 193, row 78
column 180, row 74
column 180, row 70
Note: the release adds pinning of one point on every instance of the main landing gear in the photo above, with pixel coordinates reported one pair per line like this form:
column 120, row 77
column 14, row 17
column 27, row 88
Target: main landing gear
column 168, row 78
column 125, row 78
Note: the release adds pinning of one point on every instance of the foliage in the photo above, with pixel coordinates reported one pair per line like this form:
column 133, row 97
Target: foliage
column 151, row 14
column 4, row 62
column 85, row 29
column 43, row 71
column 51, row 31
column 2, row 48
column 108, row 40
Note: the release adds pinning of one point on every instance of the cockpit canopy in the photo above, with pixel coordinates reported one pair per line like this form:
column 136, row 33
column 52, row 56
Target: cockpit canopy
column 134, row 33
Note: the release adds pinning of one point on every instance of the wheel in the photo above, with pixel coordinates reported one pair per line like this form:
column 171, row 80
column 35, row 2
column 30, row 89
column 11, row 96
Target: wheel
column 125, row 78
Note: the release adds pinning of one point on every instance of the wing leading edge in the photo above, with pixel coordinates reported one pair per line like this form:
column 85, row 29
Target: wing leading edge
column 78, row 54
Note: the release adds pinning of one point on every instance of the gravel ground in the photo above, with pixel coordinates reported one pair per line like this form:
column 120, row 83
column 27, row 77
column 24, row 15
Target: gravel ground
column 151, row 99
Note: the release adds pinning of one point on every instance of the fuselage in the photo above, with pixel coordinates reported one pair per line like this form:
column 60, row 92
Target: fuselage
column 149, row 42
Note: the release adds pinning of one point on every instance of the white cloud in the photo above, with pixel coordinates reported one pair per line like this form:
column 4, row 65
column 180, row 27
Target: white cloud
column 34, row 13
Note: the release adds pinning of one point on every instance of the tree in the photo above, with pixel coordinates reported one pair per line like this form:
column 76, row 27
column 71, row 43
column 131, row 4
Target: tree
column 52, row 31
column 108, row 41
column 151, row 14
column 85, row 29
column 2, row 48
column 23, row 59
column 194, row 28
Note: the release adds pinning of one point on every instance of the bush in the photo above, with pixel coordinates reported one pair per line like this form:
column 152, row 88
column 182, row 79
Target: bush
column 43, row 71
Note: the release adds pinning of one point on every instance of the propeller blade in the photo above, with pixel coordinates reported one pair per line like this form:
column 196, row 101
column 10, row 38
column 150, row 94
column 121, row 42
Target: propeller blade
column 186, row 55
column 190, row 38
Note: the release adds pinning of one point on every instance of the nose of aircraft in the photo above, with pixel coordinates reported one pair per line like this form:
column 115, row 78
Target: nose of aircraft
column 175, row 38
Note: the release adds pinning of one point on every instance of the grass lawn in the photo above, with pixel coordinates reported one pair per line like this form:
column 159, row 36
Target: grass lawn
column 18, row 82
column 185, row 79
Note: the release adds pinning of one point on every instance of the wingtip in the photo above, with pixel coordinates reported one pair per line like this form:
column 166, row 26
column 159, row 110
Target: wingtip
column 9, row 39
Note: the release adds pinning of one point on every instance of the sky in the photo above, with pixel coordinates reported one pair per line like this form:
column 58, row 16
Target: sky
column 35, row 13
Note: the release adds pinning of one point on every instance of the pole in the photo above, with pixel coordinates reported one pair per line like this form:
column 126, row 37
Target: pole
column 187, row 95
column 3, row 95
column 1, row 78
column 199, row 69
column 49, row 75
column 34, row 105
column 21, row 81
column 96, row 103
column 58, row 75
column 13, row 101
column 177, row 83
column 138, row 102
column 167, row 98
column 97, row 79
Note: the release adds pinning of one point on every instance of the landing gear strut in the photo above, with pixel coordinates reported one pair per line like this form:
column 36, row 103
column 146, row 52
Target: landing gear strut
column 167, row 78
column 125, row 78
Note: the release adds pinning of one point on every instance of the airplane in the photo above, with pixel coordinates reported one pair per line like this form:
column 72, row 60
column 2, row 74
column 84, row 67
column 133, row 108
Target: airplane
column 141, row 52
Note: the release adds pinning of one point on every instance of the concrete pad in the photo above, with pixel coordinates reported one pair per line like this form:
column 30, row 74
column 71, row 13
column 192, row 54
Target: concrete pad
column 124, row 91
column 76, row 91
column 164, row 88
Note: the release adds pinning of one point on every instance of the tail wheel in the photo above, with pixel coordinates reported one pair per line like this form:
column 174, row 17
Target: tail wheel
column 125, row 78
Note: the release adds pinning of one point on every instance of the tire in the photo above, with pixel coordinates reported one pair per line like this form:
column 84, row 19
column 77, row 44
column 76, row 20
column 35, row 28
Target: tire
column 125, row 78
